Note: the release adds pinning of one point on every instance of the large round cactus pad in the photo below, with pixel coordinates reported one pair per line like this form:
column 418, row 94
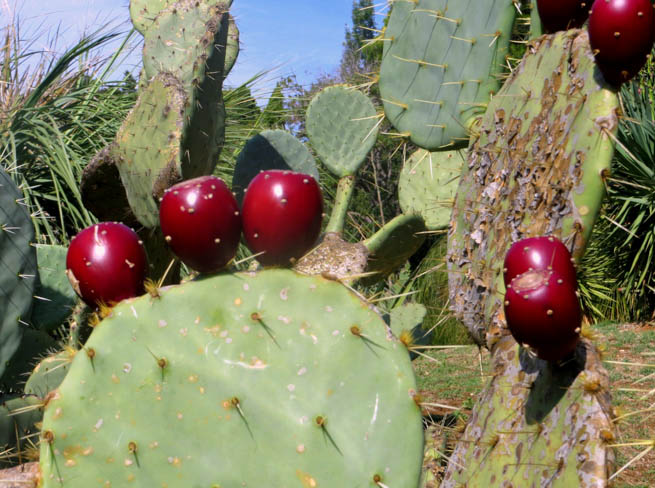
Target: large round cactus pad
column 535, row 168
column 266, row 379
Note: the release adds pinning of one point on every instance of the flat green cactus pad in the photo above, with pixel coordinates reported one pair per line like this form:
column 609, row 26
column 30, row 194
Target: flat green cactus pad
column 49, row 373
column 55, row 297
column 189, row 40
column 342, row 126
column 271, row 149
column 17, row 267
column 144, row 12
column 535, row 168
column 393, row 244
column 18, row 426
column 148, row 146
column 441, row 63
column 232, row 47
column 428, row 183
column 255, row 379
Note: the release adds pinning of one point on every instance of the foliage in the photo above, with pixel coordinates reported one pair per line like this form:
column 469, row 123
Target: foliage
column 57, row 112
column 631, row 208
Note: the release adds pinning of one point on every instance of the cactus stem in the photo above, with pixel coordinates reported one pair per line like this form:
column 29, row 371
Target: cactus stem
column 345, row 190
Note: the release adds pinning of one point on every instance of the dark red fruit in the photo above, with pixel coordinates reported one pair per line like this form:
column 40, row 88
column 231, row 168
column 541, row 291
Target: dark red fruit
column 535, row 253
column 559, row 15
column 621, row 31
column 543, row 311
column 106, row 263
column 282, row 215
column 200, row 221
column 618, row 73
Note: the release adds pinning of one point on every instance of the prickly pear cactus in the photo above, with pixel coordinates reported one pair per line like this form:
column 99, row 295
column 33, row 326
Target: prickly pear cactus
column 342, row 126
column 54, row 296
column 156, row 121
column 441, row 62
column 177, row 128
column 428, row 183
column 394, row 243
column 536, row 167
column 49, row 373
column 17, row 268
column 19, row 418
column 294, row 370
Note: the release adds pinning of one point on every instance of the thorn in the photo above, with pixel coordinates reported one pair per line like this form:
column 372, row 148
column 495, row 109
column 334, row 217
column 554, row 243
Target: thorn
column 133, row 449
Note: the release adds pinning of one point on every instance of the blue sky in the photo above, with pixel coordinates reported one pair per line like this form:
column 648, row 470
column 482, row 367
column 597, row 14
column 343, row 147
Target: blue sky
column 294, row 36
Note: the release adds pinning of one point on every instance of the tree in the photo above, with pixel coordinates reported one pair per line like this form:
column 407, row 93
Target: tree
column 361, row 54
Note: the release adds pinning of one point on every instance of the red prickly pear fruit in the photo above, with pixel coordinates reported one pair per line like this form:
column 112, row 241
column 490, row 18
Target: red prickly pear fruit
column 201, row 223
column 618, row 73
column 106, row 263
column 542, row 310
column 621, row 31
column 282, row 214
column 559, row 15
column 538, row 253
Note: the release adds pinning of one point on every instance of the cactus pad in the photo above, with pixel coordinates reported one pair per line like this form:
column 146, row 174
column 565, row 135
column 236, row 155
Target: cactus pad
column 538, row 424
column 291, row 369
column 536, row 169
column 271, row 149
column 428, row 183
column 394, row 243
column 144, row 12
column 342, row 128
column 18, row 427
column 148, row 146
column 440, row 65
column 49, row 373
column 17, row 267
column 55, row 298
column 189, row 40
column 232, row 47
